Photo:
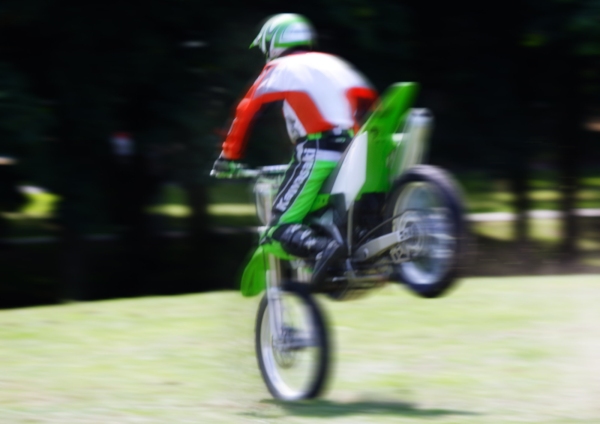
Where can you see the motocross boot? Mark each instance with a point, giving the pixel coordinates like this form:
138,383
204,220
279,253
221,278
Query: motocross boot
302,241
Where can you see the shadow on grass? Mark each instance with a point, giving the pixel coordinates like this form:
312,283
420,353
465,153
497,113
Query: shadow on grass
327,408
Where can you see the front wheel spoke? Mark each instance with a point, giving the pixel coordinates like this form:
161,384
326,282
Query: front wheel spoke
300,343
295,343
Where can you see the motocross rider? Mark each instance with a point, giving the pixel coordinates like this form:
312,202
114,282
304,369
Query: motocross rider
323,100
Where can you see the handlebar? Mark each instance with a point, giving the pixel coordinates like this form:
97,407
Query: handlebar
243,172
273,169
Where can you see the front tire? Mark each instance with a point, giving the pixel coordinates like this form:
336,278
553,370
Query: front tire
294,366
426,204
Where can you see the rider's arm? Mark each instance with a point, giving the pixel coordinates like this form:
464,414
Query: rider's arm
261,93
361,100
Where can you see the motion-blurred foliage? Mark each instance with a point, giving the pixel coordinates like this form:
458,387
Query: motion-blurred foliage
511,87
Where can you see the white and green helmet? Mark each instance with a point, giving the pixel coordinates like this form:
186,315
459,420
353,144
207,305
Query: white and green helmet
282,32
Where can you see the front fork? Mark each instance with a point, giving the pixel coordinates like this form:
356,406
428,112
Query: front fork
274,288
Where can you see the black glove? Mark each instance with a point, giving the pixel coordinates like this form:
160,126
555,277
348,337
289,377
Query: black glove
224,168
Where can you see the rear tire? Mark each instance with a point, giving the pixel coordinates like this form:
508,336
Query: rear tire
282,369
427,203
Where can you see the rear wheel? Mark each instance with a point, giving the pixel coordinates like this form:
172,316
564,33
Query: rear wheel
294,363
425,205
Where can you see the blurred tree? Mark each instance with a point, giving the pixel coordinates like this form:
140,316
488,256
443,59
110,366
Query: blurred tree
475,77
101,67
74,73
566,36
487,70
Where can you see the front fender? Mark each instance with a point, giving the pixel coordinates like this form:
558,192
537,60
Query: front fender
254,277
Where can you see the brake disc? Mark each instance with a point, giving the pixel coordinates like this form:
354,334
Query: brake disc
284,356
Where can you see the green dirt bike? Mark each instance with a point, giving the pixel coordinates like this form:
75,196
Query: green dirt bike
401,222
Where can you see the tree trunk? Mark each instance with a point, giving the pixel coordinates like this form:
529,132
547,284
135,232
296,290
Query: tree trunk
521,206
143,245
197,194
568,153
75,282
569,134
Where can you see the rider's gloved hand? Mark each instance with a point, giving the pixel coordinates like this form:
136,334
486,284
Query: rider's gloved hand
224,168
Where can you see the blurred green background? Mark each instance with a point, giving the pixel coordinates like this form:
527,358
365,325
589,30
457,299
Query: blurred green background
111,114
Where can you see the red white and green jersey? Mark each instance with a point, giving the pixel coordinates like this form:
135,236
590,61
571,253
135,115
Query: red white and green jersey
320,92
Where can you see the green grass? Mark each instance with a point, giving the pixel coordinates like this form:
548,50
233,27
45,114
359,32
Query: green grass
521,350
